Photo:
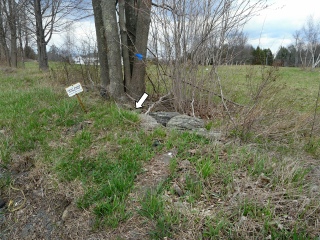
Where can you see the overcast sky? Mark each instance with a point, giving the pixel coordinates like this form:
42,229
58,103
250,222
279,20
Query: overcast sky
271,29
274,27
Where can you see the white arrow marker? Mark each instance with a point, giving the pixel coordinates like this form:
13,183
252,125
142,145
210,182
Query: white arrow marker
141,101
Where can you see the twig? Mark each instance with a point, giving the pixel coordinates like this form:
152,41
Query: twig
13,209
130,97
216,94
223,99
314,115
89,77
192,102
156,103
164,6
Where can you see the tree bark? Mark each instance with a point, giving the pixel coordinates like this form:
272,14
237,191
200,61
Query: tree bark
124,42
3,44
13,33
131,7
41,41
102,47
116,88
136,87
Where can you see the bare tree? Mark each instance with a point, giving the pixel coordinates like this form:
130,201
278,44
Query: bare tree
136,85
49,16
4,49
194,34
102,47
9,9
311,32
116,87
298,44
188,33
133,26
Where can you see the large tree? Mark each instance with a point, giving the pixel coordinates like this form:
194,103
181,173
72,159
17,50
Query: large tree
311,32
133,26
9,13
4,49
102,47
187,32
48,16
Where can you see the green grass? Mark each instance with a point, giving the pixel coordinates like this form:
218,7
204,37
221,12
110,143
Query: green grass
104,150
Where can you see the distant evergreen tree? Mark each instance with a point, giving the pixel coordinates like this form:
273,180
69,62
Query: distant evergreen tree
262,56
268,57
283,56
293,58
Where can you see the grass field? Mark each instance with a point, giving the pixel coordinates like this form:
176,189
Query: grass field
231,190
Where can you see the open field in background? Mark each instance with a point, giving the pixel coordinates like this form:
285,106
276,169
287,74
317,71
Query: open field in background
275,103
60,164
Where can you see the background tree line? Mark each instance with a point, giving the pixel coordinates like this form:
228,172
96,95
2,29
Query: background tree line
24,23
305,52
179,33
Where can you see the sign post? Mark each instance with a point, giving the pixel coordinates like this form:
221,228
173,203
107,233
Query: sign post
74,90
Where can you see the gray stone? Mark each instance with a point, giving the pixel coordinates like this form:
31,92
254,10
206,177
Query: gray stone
66,213
177,189
166,158
184,164
314,190
2,203
148,122
163,117
184,122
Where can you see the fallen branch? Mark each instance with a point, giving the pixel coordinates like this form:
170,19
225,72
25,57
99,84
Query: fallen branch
156,103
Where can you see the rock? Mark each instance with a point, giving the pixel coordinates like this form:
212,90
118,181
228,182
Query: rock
156,143
184,122
148,122
212,135
163,117
66,213
177,189
166,158
314,189
184,164
2,203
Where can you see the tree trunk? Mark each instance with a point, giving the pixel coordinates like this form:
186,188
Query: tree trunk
136,87
20,40
116,88
41,41
3,44
13,33
124,42
131,20
102,47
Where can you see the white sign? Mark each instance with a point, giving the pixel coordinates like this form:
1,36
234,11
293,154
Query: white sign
74,89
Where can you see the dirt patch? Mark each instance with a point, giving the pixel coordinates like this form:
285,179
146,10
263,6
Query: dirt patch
40,207
156,171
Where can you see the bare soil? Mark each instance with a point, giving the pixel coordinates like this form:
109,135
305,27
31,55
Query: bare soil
39,207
